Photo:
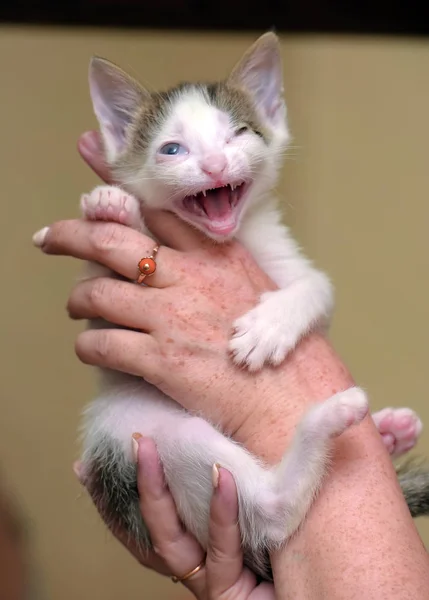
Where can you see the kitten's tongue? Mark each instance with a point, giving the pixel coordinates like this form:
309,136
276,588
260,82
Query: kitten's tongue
217,207
217,203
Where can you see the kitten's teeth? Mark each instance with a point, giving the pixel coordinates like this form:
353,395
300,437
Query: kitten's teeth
232,186
200,208
204,192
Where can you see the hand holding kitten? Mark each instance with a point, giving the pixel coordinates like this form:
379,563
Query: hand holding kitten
177,551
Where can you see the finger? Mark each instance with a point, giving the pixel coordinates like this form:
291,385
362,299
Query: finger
174,232
147,559
90,148
118,302
113,245
178,549
125,351
224,564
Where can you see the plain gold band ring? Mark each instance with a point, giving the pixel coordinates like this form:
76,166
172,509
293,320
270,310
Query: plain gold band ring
176,579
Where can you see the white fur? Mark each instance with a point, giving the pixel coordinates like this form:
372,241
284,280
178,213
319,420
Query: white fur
273,501
205,131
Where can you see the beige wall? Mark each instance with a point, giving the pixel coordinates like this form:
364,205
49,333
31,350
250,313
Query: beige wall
355,191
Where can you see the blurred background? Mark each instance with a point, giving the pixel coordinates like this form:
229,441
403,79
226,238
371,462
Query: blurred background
354,190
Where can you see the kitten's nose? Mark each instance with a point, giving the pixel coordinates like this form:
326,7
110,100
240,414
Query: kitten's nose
213,164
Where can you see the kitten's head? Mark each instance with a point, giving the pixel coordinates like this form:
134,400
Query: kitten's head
204,151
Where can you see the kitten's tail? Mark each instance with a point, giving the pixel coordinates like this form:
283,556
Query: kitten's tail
413,478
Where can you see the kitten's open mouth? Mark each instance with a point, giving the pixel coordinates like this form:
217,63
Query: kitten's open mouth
217,208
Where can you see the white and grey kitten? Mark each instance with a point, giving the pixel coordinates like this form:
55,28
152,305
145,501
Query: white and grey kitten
211,154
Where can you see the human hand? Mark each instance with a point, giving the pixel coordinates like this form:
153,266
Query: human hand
194,297
321,559
176,552
186,311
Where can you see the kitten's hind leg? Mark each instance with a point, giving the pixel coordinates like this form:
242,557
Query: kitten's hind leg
110,203
273,501
300,474
399,428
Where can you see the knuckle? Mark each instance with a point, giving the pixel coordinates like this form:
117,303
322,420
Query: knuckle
217,555
93,347
170,545
98,292
106,237
102,346
158,550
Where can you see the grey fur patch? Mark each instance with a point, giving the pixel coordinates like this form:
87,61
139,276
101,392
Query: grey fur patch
111,480
413,476
156,107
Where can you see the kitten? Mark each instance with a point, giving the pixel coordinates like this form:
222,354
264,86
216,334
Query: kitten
211,154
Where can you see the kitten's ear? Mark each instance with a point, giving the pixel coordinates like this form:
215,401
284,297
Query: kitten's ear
260,73
116,98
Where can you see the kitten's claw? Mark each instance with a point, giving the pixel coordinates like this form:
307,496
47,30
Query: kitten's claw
399,428
109,203
263,335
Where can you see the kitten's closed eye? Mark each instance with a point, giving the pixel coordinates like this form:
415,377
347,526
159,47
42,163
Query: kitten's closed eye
245,129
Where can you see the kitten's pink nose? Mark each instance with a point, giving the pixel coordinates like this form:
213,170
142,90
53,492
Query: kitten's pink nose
213,164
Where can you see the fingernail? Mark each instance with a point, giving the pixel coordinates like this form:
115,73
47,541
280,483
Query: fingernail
40,236
215,475
89,143
135,437
78,471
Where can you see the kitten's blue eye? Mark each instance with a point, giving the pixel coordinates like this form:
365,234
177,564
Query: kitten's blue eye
173,149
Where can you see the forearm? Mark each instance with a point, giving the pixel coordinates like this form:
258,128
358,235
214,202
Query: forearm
359,539
358,535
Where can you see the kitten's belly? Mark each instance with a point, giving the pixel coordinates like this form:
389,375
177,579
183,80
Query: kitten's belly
129,406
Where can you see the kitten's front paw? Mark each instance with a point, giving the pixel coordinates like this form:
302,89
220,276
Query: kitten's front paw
399,428
110,203
265,334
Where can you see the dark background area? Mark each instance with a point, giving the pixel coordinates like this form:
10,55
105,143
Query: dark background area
298,16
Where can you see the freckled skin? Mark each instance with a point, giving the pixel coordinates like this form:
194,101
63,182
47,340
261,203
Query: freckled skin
274,328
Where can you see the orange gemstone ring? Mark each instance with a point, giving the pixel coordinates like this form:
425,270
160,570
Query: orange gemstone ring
147,265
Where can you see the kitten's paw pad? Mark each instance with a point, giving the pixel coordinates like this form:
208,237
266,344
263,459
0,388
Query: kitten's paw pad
399,428
263,335
109,203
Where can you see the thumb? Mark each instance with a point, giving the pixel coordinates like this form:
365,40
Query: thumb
90,149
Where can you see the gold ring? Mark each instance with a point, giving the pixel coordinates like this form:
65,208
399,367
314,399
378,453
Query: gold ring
176,579
147,265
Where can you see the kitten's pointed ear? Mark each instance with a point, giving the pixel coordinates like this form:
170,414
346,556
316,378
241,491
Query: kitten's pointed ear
116,98
260,73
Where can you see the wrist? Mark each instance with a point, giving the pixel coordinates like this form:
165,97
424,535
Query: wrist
358,524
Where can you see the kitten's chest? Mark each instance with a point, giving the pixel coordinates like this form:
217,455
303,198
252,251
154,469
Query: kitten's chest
270,243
